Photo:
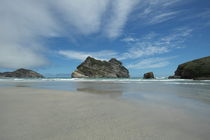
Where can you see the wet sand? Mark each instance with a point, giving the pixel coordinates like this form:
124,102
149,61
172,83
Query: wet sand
41,114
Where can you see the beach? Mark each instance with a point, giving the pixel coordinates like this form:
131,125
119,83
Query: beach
104,110
104,70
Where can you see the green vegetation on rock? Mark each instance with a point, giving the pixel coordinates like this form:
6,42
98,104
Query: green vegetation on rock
196,69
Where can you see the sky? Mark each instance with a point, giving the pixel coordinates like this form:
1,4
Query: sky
54,37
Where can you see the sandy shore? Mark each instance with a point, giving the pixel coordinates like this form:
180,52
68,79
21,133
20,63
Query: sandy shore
38,114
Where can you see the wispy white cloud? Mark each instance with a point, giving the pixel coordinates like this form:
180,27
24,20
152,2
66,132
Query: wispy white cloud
150,63
132,53
155,44
171,40
162,17
176,38
129,39
81,16
201,18
204,14
141,50
149,36
79,55
167,3
121,10
157,11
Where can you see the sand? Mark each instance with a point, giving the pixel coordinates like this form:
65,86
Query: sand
40,114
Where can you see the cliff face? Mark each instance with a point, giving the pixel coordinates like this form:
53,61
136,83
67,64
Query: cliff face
196,69
22,73
92,68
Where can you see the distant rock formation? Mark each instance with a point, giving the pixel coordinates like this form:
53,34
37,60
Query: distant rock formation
22,73
174,77
92,68
149,75
198,69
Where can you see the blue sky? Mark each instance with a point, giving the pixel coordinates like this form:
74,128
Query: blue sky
54,37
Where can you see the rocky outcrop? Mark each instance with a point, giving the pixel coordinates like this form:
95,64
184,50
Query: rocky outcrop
78,74
22,73
149,75
174,77
198,69
92,68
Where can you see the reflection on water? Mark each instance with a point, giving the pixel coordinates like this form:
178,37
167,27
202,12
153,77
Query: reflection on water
105,89
112,94
195,92
152,91
142,90
22,85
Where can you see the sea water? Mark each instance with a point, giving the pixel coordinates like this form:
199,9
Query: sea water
136,88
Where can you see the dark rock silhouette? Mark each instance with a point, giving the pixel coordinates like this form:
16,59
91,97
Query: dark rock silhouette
198,69
174,77
22,73
92,68
149,75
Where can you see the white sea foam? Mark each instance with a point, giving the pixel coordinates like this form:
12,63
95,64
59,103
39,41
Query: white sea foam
122,80
189,83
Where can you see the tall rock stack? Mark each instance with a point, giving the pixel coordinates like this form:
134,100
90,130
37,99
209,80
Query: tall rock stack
93,68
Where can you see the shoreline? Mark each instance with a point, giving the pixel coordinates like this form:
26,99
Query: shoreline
96,79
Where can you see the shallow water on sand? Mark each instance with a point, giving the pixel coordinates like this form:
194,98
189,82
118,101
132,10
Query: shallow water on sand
126,88
105,109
